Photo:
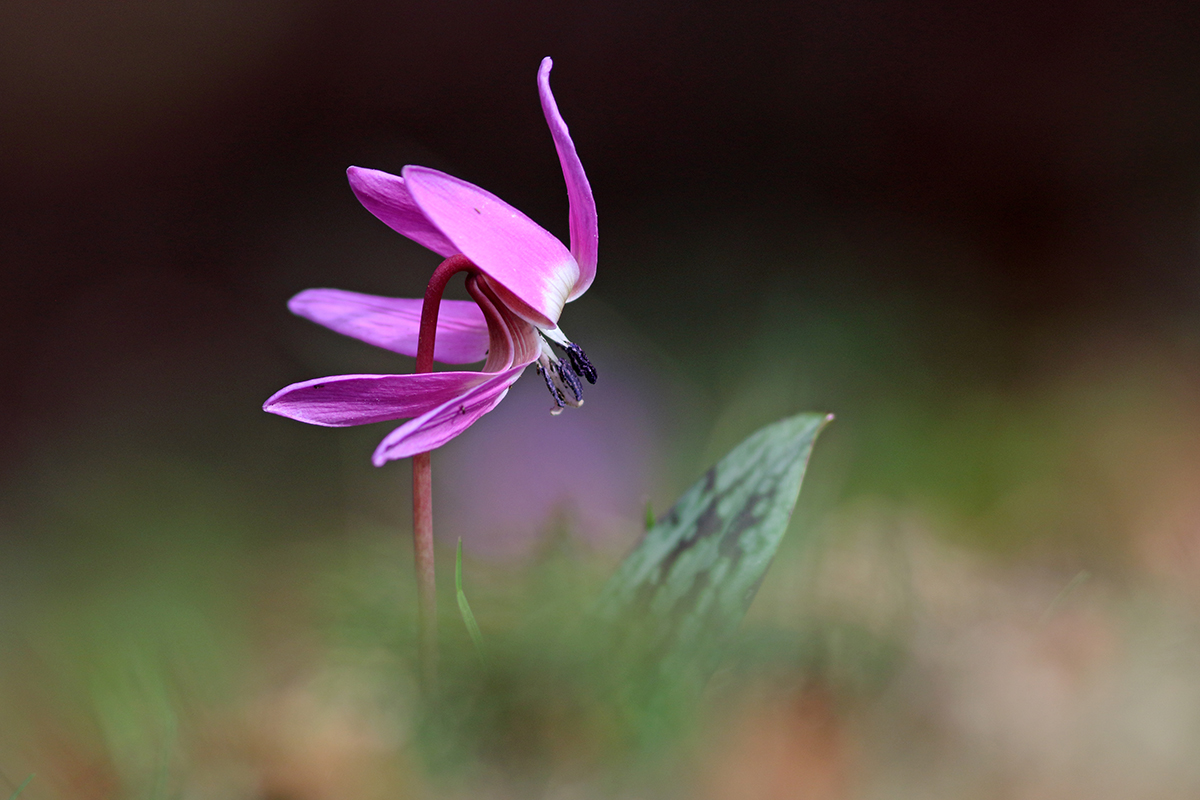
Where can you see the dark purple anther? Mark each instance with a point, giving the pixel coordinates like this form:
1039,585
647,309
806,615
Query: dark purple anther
559,400
571,380
580,363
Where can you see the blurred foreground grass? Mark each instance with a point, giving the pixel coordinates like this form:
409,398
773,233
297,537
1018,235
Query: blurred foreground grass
169,633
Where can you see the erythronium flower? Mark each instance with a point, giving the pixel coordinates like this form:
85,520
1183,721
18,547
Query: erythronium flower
521,277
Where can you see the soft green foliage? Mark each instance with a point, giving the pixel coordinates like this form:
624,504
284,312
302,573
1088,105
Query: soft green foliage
684,589
616,681
561,699
464,607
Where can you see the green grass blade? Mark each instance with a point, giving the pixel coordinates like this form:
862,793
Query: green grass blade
684,589
21,788
464,607
1080,578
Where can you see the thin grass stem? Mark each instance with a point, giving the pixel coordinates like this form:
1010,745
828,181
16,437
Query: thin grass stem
21,788
464,608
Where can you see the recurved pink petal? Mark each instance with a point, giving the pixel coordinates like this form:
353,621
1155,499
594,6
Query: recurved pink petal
343,400
532,271
394,323
584,232
439,425
386,196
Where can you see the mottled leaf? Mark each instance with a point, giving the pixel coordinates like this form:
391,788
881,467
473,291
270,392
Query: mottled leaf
683,590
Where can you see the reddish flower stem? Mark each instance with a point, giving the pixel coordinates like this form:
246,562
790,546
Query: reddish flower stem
427,643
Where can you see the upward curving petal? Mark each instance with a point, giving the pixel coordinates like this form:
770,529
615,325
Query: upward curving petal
533,272
584,232
439,425
386,196
342,400
394,323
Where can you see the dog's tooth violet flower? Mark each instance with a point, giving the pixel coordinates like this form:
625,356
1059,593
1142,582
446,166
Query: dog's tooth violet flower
521,277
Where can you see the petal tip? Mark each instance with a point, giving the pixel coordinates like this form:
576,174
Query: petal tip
356,175
299,301
271,406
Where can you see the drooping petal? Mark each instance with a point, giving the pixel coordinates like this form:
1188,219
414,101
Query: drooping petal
532,271
342,400
500,335
439,425
584,235
519,335
394,323
386,196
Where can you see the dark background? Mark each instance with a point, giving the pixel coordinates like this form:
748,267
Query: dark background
967,229
895,204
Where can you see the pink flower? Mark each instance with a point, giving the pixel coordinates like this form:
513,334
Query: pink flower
524,278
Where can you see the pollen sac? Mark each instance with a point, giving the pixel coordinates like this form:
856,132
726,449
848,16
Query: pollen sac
562,374
580,363
562,382
554,391
567,375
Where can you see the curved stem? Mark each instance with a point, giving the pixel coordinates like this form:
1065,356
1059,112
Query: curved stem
427,645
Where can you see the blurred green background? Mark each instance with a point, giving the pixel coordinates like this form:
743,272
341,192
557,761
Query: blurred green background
968,230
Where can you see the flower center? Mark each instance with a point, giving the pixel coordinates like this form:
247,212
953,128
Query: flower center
562,373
